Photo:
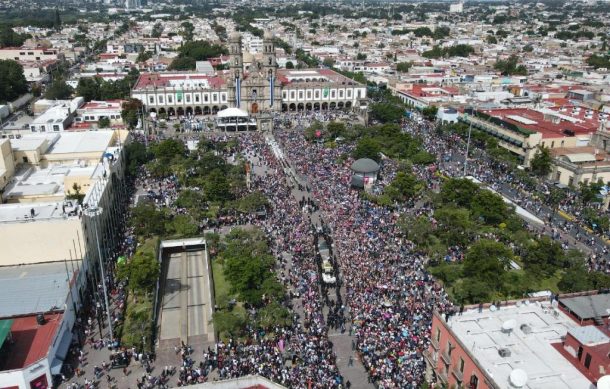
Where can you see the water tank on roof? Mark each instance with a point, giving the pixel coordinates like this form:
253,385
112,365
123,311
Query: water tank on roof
526,329
504,352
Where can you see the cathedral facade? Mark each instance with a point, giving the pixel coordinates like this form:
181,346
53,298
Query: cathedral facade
255,89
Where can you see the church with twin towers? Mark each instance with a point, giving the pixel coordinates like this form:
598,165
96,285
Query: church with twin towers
253,84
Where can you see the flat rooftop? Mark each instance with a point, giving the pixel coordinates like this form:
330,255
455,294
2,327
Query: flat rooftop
82,142
30,341
481,333
29,289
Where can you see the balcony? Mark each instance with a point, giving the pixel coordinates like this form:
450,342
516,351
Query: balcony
431,358
442,377
435,344
446,357
457,374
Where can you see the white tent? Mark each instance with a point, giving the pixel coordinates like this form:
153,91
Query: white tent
232,113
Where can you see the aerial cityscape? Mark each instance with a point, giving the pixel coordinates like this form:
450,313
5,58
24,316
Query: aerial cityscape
351,194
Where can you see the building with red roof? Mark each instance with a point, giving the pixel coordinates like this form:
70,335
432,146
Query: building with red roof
256,88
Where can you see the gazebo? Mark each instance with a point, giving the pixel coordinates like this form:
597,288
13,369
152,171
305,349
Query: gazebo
364,172
234,119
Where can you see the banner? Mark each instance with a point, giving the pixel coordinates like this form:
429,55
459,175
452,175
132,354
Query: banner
237,92
272,86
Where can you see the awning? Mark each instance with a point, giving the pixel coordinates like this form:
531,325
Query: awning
5,330
62,351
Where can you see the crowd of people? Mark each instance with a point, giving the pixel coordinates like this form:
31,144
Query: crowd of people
388,297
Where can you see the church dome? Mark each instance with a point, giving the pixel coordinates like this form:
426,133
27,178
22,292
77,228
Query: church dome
268,35
235,36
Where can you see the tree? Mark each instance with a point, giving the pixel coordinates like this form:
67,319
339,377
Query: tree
144,56
131,112
575,279
9,38
187,31
182,226
217,186
58,90
454,226
148,220
543,257
542,162
289,65
487,261
88,88
367,148
168,149
142,271
104,122
491,39
458,191
490,207
335,129
157,30
12,81
231,323
430,112
183,63
57,20
510,66
328,62
387,112
404,186
137,155
403,67
361,57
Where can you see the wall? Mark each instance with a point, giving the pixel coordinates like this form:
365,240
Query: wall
438,352
23,377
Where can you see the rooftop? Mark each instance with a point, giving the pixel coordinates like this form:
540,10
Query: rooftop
29,289
30,341
534,328
82,142
549,123
587,307
169,80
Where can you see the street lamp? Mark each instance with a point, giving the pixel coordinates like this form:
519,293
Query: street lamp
93,213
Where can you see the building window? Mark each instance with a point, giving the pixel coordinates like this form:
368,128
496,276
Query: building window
293,95
197,98
151,100
308,95
223,97
317,94
284,95
552,144
474,382
188,98
461,365
341,94
33,128
349,93
55,127
25,159
588,361
169,99
160,99
449,348
438,334
42,129
214,97
333,93
206,97
300,95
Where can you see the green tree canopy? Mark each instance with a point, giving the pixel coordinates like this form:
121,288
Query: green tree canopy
542,162
510,66
12,81
58,90
367,148
490,207
458,191
131,112
487,261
